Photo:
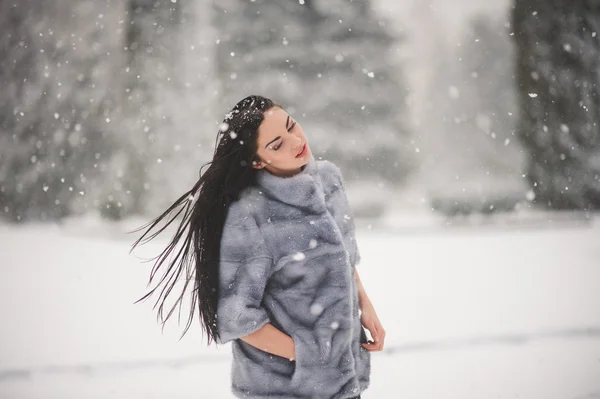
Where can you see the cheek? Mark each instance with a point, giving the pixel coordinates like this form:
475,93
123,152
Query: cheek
268,156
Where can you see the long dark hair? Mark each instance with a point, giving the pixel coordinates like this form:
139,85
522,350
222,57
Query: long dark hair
204,209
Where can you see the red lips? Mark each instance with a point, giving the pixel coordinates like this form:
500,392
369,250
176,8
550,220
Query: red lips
302,152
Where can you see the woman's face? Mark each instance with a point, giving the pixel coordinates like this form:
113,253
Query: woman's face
282,146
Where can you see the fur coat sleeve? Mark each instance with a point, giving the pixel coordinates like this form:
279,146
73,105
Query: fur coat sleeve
348,216
245,264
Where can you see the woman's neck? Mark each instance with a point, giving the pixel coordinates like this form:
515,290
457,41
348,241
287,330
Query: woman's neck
284,172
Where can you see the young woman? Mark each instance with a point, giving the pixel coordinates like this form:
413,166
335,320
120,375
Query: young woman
270,249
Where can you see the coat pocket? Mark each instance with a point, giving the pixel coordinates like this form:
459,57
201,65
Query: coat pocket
299,352
313,376
265,362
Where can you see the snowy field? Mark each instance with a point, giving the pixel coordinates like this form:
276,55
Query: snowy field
477,312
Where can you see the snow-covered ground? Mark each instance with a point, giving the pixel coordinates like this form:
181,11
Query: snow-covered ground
470,312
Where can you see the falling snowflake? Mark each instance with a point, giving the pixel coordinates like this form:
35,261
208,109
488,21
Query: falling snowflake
533,95
453,92
316,309
312,243
335,325
530,195
299,256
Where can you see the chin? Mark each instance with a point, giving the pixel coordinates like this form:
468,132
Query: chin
304,160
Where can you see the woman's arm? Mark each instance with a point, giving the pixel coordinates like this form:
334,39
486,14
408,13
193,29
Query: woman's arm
276,342
272,340
363,299
369,318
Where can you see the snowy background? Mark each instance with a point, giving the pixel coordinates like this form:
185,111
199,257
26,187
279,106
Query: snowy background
487,312
479,238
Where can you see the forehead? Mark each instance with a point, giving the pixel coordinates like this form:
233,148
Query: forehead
272,125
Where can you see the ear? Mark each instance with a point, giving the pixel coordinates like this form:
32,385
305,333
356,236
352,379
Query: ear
258,164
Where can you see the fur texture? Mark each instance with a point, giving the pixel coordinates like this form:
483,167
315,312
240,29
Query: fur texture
288,254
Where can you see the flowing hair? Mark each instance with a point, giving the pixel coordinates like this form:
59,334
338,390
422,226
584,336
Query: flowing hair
204,209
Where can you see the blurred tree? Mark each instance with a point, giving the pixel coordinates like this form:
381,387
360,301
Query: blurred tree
55,106
486,112
150,80
473,160
328,63
166,101
102,108
558,66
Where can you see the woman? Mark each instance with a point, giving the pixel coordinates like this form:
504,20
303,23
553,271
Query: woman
270,249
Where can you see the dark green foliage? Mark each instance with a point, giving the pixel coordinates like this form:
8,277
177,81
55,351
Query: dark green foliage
558,67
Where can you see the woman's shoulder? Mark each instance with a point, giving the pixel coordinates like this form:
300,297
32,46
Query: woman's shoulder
330,172
243,210
326,166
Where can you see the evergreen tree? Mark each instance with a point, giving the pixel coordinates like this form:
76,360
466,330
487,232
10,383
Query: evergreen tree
104,105
473,159
328,62
473,104
55,106
558,64
167,103
150,81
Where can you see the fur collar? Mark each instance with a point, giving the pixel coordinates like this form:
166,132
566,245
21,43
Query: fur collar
303,190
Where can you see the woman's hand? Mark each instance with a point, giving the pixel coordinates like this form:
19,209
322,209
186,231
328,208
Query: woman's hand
371,322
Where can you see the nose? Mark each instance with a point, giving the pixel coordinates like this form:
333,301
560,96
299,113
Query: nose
298,144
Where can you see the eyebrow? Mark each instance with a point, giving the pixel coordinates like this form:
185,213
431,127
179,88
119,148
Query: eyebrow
272,141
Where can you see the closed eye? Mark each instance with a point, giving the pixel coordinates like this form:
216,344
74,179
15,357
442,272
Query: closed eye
278,146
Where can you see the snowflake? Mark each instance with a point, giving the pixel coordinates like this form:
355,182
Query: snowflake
316,309
299,256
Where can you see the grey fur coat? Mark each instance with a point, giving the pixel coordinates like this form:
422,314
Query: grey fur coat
288,253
